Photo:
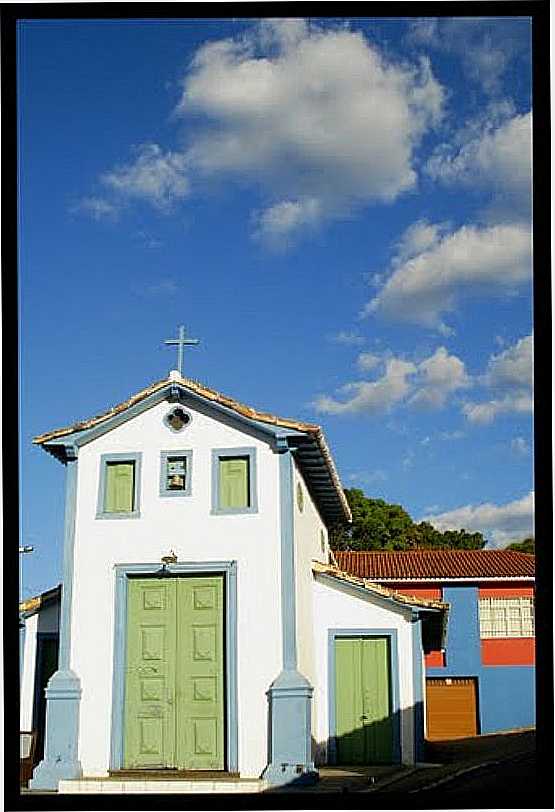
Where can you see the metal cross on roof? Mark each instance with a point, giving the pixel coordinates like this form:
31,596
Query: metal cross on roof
181,342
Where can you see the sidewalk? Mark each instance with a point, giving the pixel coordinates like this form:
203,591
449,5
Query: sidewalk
443,759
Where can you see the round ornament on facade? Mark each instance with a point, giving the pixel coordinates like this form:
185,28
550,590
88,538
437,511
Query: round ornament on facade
300,497
177,419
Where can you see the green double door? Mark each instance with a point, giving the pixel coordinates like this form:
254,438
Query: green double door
174,683
363,717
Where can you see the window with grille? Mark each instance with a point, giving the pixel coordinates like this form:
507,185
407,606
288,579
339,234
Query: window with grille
506,617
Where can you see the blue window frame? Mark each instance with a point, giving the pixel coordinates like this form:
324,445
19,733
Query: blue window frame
220,455
176,473
106,460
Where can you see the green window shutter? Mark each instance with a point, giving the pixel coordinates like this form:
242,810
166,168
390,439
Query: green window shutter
120,485
234,482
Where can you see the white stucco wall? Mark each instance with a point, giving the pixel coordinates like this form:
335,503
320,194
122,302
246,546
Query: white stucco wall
307,526
28,675
337,607
186,526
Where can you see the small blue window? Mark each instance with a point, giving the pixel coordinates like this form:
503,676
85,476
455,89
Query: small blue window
176,473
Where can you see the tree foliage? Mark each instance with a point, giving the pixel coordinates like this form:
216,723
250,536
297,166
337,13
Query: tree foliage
527,545
378,525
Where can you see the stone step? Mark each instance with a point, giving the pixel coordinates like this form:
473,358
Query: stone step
112,785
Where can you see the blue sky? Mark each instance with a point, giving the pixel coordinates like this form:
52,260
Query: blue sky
338,209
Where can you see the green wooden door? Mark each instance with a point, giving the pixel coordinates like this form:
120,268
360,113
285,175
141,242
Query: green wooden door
364,723
174,706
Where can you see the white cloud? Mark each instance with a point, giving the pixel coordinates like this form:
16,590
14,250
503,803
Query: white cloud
510,376
279,224
486,46
520,446
497,157
371,397
155,176
317,117
500,524
97,207
368,478
348,337
367,361
514,366
426,384
440,375
452,435
433,267
487,411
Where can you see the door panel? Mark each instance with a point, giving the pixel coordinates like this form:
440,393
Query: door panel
149,720
200,693
378,721
364,722
349,727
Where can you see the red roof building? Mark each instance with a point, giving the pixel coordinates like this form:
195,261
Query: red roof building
484,679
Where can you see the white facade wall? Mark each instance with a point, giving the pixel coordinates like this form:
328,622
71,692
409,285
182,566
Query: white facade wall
28,677
185,525
308,547
337,607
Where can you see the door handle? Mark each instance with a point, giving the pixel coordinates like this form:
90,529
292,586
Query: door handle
363,717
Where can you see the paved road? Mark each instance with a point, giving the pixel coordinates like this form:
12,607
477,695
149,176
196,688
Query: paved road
517,776
507,785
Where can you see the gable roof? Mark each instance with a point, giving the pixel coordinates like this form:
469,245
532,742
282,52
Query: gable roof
434,613
376,589
307,440
415,565
33,605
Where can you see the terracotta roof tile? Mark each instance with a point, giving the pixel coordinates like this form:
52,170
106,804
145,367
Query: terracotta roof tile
377,589
430,564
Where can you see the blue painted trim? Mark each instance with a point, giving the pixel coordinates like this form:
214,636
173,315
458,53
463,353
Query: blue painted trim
333,634
229,453
229,570
135,457
168,414
288,585
68,564
63,693
164,491
418,688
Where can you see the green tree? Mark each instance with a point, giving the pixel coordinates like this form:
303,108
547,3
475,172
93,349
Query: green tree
378,525
525,546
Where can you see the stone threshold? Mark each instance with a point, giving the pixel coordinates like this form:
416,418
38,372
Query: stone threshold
170,775
112,785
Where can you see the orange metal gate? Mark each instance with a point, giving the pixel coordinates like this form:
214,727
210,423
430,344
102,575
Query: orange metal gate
451,708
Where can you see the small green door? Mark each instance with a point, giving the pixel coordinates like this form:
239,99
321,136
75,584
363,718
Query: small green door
364,722
174,706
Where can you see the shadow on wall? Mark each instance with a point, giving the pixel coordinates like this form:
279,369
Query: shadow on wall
376,743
